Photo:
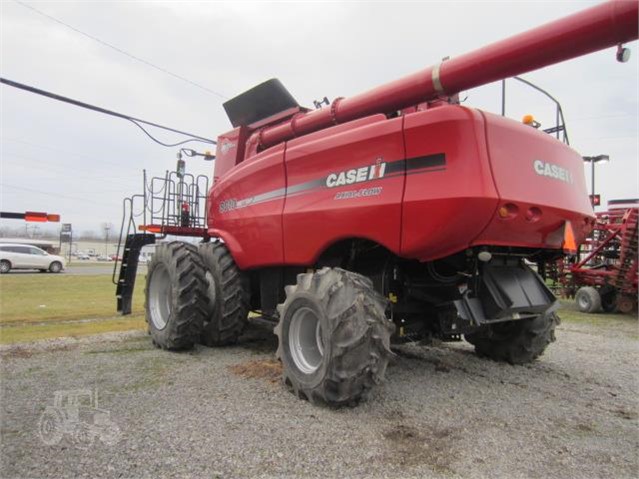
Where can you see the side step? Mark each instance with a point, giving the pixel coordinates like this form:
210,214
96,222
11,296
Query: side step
129,269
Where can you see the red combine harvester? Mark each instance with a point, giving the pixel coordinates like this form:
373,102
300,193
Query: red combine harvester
393,215
604,275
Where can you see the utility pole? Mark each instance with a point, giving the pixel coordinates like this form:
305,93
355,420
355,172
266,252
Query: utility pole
107,227
592,160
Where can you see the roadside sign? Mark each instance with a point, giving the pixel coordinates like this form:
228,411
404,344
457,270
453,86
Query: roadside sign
66,227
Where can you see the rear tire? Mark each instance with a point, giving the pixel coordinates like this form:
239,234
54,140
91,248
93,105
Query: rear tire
334,338
515,342
176,300
588,300
608,299
55,267
228,295
51,426
5,267
627,304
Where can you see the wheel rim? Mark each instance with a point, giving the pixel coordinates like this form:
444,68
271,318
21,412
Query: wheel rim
55,267
305,340
583,302
160,297
4,267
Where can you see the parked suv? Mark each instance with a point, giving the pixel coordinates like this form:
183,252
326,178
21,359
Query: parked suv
21,256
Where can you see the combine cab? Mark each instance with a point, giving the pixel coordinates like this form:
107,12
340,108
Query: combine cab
390,216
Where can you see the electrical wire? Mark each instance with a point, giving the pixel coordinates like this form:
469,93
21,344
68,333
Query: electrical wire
119,50
101,179
136,121
179,143
74,154
57,195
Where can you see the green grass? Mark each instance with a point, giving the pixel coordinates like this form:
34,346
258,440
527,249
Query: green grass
32,332
46,297
43,306
570,314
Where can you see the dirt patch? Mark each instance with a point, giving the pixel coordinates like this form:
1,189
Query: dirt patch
410,446
268,369
16,353
626,414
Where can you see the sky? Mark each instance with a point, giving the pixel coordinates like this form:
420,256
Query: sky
62,159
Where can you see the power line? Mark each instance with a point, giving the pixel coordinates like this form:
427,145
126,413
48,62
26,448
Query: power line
57,195
100,179
98,161
135,121
119,50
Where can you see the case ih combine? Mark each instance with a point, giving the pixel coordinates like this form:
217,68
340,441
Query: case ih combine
392,215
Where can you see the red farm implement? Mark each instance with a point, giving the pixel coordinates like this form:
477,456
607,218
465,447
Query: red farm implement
604,274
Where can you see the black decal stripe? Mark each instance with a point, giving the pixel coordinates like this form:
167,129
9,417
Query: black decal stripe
393,169
430,161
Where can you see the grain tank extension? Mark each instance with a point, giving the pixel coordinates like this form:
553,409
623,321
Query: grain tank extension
393,215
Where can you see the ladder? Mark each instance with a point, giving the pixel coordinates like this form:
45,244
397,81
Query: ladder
129,269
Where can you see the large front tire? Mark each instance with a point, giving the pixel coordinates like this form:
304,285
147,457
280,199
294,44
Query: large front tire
176,300
334,338
515,342
228,295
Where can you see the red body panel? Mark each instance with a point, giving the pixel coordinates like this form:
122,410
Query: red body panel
424,184
252,229
445,208
315,219
431,184
544,181
230,151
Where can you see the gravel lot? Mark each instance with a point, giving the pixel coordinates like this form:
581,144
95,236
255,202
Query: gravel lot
442,412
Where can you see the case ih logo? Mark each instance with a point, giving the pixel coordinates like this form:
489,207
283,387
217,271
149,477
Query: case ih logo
349,177
226,146
552,171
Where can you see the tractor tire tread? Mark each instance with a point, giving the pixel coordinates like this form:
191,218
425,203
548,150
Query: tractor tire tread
360,337
226,318
189,304
516,342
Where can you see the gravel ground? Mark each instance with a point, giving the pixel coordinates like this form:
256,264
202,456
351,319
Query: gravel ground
442,412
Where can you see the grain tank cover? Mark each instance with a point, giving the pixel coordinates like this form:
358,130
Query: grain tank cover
258,103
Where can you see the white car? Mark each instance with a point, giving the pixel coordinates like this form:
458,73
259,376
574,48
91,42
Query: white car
22,256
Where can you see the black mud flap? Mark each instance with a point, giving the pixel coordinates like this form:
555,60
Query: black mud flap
507,291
